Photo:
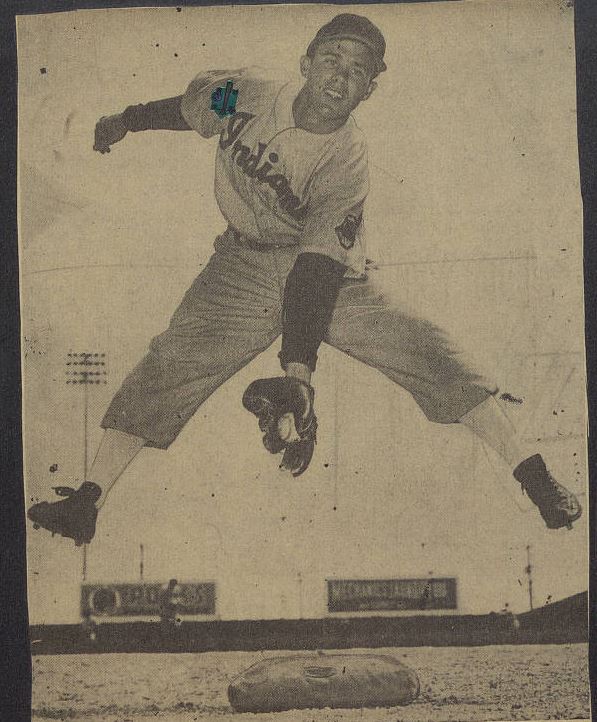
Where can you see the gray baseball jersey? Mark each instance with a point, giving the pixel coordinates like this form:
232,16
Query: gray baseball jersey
279,184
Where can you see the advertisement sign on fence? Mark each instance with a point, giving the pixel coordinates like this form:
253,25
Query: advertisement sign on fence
368,595
140,599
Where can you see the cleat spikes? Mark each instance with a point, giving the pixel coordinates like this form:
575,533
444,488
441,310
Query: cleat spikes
72,517
558,506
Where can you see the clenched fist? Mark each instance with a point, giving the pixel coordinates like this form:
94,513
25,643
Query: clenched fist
108,130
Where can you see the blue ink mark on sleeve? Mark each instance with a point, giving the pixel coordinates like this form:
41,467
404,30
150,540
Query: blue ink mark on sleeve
223,100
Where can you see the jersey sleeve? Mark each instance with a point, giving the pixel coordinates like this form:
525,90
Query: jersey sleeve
334,221
196,101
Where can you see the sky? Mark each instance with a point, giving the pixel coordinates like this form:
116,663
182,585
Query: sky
474,218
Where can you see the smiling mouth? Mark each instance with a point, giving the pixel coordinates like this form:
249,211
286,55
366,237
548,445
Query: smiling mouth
333,94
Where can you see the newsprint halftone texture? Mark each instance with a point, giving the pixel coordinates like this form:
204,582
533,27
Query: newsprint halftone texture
407,535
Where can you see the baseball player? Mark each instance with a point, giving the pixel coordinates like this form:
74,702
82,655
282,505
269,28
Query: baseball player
169,605
291,180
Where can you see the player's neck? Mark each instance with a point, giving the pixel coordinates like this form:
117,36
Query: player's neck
307,118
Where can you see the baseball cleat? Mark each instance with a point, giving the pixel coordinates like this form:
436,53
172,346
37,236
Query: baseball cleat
558,506
73,517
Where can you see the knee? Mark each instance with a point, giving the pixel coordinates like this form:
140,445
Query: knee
167,348
453,402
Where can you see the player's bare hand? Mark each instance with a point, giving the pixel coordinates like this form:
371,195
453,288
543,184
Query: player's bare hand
108,130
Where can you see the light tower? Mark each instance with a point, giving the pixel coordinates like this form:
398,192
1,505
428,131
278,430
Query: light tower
86,369
529,572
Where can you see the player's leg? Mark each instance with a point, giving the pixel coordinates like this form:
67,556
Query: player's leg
116,451
419,357
558,506
229,315
75,516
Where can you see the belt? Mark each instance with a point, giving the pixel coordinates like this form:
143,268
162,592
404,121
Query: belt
254,245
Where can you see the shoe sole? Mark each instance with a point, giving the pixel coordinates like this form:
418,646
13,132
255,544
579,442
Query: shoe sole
40,523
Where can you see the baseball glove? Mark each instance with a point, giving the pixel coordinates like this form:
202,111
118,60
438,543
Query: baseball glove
284,409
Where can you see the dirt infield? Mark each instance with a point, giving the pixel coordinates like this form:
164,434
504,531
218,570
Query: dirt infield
457,685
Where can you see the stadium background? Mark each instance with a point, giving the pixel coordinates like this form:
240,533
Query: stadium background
483,238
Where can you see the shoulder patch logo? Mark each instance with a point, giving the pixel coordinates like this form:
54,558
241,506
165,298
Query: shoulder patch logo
347,231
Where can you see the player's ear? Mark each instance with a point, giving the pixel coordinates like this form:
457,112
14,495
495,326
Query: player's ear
370,89
305,65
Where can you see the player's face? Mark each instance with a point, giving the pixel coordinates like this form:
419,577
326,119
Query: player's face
338,77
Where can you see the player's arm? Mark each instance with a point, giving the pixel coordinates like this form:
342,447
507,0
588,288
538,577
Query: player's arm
156,115
310,296
189,111
331,243
284,406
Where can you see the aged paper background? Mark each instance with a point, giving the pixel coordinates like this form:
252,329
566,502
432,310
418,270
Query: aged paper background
474,219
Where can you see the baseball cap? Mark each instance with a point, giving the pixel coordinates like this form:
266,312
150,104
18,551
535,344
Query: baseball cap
353,27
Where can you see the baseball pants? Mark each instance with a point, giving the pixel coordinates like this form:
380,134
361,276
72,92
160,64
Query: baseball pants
233,311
